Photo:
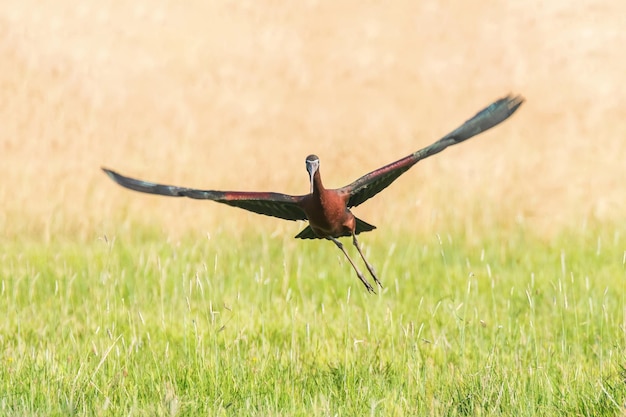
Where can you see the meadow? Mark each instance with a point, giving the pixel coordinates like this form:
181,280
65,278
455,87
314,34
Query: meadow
503,259
265,326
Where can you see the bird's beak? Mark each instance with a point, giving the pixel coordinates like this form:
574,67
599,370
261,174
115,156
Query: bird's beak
311,174
312,168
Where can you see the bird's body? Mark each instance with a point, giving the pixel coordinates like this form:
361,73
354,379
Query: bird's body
328,210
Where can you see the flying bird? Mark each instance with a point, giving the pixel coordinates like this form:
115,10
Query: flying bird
328,210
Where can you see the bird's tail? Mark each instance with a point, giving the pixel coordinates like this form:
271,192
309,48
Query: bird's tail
361,226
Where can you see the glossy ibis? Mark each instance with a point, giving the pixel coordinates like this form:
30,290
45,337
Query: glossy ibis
328,210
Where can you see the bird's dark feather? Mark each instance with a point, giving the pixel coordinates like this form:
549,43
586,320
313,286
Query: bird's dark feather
371,184
270,204
361,226
288,207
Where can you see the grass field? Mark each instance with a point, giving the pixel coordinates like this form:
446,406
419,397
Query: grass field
264,326
503,257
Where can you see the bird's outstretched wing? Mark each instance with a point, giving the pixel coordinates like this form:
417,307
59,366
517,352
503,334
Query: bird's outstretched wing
270,204
371,184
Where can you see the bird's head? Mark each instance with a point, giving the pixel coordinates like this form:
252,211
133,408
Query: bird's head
312,166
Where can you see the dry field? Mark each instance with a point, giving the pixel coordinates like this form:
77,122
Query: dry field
234,95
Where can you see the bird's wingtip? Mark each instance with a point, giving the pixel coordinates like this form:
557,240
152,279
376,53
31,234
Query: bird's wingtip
513,101
110,173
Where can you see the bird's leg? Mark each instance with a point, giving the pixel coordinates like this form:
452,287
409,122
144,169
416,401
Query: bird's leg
369,266
358,273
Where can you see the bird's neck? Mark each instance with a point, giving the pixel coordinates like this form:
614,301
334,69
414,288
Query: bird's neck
318,187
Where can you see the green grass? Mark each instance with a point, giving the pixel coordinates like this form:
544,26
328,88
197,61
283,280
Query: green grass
508,324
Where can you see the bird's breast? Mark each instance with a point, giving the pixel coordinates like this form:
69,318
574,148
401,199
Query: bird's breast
328,214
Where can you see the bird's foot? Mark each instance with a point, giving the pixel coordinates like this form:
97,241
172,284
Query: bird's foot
368,286
377,281
373,273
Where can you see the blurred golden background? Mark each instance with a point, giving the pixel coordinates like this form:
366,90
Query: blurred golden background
235,94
